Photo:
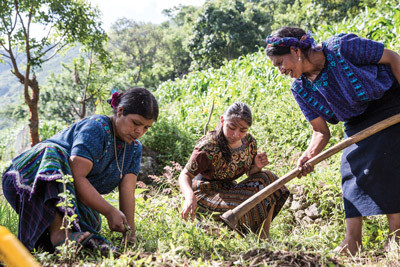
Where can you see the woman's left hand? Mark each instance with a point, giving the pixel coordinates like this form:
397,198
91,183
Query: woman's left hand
261,160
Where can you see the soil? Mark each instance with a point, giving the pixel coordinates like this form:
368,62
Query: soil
263,257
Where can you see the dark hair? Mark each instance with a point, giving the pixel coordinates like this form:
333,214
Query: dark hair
137,100
286,32
237,110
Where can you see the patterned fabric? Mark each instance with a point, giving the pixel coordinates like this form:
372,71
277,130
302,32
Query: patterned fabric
221,196
305,42
92,138
30,183
349,80
37,210
216,189
207,159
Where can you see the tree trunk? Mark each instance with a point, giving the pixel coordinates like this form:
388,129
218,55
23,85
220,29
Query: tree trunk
32,103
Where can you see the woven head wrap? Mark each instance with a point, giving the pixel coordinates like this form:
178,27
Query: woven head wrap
305,42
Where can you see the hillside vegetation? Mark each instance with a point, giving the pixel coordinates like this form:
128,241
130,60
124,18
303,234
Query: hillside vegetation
311,223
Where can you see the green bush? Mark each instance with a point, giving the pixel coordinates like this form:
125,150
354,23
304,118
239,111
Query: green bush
171,143
49,128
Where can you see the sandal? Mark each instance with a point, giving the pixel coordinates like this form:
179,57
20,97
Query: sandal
74,237
92,241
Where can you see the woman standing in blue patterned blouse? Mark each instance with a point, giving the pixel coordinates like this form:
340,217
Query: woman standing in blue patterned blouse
354,80
100,153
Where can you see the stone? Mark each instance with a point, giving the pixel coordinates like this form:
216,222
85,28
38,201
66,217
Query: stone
148,166
295,205
312,211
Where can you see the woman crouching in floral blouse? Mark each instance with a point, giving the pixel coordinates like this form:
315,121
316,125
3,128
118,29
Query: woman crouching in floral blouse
221,157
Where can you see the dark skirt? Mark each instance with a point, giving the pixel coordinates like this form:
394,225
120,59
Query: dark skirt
371,168
220,196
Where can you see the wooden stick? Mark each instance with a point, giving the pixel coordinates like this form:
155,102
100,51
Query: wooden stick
231,217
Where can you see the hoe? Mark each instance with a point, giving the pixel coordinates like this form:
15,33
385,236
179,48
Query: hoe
231,217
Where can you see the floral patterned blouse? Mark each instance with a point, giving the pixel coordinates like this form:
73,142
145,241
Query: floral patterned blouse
208,161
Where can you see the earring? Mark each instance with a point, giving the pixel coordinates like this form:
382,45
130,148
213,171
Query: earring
299,58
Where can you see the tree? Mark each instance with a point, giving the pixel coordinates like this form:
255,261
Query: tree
173,57
309,14
63,23
226,30
72,94
136,44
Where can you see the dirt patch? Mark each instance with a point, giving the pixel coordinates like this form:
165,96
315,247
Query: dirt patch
262,257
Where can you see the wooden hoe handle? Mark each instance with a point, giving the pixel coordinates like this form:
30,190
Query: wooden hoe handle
231,217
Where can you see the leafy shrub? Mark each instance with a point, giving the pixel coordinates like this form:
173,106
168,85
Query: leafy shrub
49,128
277,120
170,142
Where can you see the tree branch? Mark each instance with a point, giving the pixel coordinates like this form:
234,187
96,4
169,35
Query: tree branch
53,55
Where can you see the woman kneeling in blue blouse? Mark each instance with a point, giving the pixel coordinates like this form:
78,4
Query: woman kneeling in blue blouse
354,80
100,153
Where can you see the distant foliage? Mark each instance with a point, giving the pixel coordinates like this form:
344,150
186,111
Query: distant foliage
74,93
311,14
277,120
225,30
380,23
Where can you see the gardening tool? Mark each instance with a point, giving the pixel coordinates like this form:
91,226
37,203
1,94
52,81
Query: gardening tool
231,217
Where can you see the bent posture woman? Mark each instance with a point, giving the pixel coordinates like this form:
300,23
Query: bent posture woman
354,80
221,157
100,153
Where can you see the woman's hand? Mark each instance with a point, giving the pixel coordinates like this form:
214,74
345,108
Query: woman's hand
319,139
117,221
189,207
130,237
303,166
261,160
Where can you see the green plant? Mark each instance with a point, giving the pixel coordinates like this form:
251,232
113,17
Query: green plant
169,141
49,128
68,251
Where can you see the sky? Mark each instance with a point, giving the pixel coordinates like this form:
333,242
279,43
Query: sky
138,10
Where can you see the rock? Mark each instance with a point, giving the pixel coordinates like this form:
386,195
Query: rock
307,220
295,205
298,215
148,166
299,203
312,211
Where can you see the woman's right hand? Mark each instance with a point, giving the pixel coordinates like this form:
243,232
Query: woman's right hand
303,166
189,207
117,221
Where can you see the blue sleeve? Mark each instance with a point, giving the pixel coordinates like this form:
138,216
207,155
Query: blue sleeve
307,111
90,140
137,158
360,51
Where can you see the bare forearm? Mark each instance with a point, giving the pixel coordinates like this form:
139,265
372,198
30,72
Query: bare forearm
396,70
89,196
254,169
127,206
392,59
317,144
185,183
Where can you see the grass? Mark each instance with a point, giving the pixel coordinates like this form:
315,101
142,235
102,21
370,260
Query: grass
165,239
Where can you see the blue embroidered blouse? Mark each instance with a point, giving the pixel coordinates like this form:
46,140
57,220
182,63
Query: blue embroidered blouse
349,80
93,139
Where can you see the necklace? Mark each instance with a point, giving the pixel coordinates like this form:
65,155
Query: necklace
115,151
